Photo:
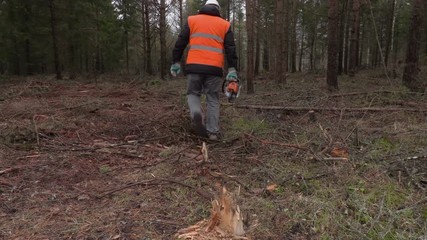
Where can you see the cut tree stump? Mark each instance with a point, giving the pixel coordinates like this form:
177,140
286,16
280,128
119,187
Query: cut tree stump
225,222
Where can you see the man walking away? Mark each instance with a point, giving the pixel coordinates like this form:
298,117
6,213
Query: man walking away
209,37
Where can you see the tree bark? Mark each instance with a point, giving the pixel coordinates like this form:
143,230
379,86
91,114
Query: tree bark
313,33
28,64
181,14
97,43
411,76
126,33
341,37
425,34
301,53
278,22
293,36
354,37
72,65
332,71
360,45
240,40
148,65
257,23
250,10
162,25
54,32
347,36
266,43
390,31
280,50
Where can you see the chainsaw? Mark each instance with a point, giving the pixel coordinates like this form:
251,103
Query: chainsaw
231,89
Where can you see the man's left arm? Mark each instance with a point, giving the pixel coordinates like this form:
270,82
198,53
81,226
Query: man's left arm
230,49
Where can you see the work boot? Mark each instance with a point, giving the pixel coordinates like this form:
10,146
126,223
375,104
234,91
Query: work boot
198,126
214,136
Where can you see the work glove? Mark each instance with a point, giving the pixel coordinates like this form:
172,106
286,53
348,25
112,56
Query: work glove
232,75
175,69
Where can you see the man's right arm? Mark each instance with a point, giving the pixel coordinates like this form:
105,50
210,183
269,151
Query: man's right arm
181,44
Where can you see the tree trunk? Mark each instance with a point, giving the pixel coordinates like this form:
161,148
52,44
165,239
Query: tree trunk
341,37
228,9
293,36
390,31
411,76
285,53
313,50
148,66
181,14
332,71
360,46
347,36
280,50
28,64
72,65
425,34
98,44
126,33
354,37
240,42
301,53
162,25
265,55
143,43
54,31
250,10
257,23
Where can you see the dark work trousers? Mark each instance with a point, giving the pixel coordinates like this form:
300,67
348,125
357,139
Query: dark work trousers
209,85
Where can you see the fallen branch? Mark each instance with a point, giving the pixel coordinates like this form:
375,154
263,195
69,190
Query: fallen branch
147,182
8,170
5,183
301,177
420,202
267,142
332,109
359,93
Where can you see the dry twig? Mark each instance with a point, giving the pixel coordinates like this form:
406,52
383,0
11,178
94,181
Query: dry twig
266,142
156,181
332,109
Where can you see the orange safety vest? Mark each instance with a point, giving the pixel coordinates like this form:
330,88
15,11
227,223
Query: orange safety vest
207,35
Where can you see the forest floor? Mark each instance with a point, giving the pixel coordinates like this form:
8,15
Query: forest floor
116,159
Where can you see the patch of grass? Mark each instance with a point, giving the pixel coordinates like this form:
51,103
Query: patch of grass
381,147
104,169
4,78
424,213
387,193
168,151
254,126
154,82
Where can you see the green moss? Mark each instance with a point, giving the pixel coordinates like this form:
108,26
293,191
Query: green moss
104,169
168,152
381,147
424,213
253,126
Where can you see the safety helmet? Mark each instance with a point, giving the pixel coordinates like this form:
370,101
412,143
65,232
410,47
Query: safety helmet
212,2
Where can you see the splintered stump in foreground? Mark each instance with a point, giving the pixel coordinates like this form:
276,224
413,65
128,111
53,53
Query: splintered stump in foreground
225,222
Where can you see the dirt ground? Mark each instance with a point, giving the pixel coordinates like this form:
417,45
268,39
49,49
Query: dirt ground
116,158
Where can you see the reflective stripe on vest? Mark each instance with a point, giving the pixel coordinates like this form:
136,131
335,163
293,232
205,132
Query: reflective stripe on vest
207,35
201,47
